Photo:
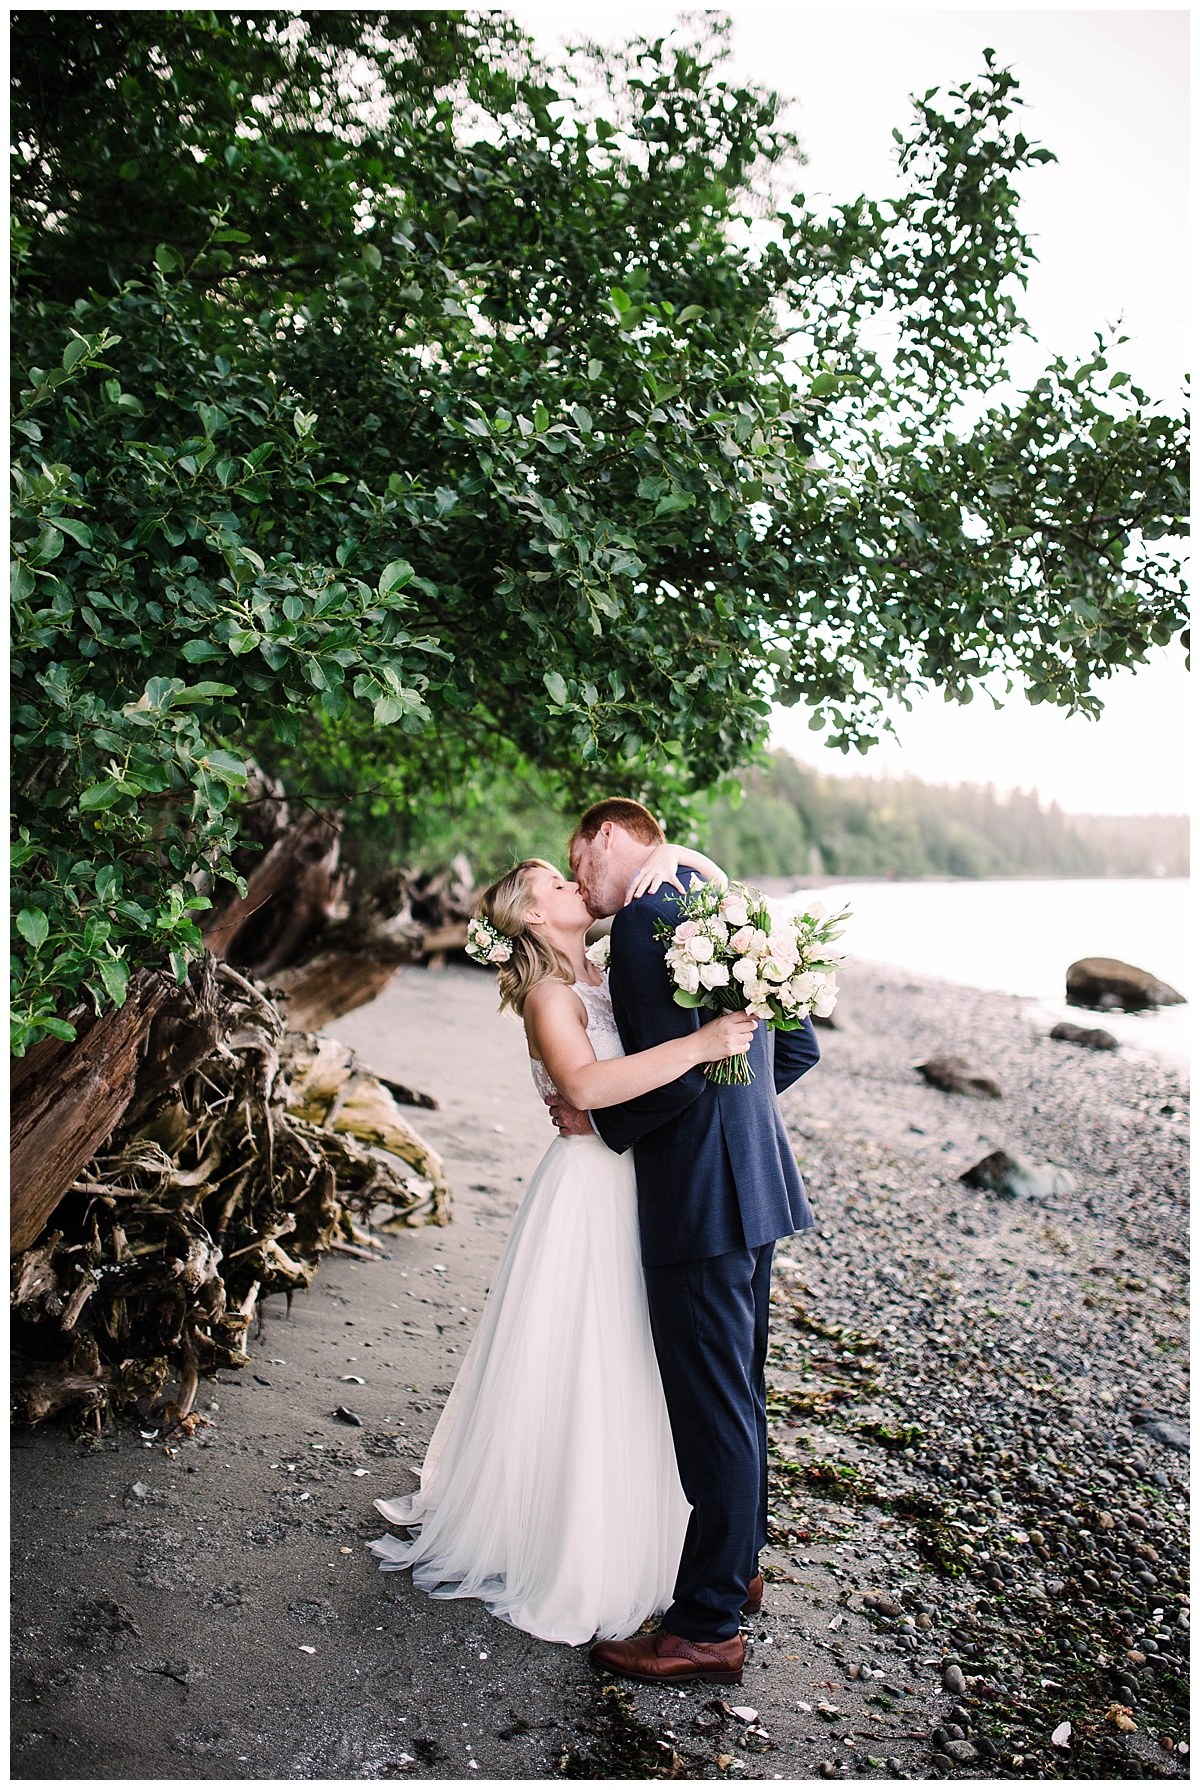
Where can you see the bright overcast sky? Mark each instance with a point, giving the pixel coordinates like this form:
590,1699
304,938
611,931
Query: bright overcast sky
1108,92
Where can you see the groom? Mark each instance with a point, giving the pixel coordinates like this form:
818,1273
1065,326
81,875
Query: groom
717,1185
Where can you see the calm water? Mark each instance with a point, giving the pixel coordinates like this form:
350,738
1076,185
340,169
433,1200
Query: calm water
1020,937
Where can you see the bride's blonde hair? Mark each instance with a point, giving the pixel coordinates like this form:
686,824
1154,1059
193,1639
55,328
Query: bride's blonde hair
533,958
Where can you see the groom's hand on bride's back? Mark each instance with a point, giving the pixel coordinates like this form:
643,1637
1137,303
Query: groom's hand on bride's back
570,1121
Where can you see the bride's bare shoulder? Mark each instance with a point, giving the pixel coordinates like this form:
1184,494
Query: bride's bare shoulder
550,996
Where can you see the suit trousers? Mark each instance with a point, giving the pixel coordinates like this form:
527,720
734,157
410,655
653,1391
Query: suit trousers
710,1320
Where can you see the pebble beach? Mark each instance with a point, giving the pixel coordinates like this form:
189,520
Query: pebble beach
978,1413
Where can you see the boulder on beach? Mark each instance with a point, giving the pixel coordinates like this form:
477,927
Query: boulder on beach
1108,985
955,1075
1014,1178
1161,1429
1091,1038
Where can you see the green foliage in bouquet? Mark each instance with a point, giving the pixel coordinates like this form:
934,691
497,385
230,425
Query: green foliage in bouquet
395,406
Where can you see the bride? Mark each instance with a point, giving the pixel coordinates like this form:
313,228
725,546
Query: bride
550,1489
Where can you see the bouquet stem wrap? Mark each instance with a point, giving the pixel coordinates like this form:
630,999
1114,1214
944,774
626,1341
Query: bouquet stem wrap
736,948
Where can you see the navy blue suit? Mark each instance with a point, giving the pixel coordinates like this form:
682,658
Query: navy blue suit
717,1186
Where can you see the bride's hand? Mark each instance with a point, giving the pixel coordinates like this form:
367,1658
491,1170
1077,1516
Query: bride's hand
662,866
728,1036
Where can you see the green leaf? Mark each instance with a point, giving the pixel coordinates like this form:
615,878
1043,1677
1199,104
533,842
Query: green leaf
33,927
389,708
394,576
114,973
201,693
224,765
57,1028
100,795
556,686
48,546
198,652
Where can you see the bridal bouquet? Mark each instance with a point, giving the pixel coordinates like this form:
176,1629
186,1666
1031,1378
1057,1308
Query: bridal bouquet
736,948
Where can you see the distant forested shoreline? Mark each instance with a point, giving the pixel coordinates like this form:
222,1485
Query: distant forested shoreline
793,820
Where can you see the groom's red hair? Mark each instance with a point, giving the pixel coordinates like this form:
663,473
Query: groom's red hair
636,820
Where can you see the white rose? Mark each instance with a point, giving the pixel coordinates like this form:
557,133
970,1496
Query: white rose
687,977
700,949
713,975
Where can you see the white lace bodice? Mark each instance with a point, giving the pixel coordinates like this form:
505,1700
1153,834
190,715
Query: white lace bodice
601,1030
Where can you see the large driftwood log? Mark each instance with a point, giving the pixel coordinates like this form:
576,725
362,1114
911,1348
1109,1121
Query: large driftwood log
290,897
324,955
67,1098
313,993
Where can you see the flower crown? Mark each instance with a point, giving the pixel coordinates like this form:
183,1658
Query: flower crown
485,943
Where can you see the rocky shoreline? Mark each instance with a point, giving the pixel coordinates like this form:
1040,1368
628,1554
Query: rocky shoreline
1006,1377
979,1494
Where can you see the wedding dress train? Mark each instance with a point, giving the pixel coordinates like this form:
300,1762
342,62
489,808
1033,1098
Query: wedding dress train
550,1489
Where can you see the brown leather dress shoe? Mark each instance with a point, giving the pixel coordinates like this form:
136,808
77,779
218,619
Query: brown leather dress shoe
754,1596
664,1658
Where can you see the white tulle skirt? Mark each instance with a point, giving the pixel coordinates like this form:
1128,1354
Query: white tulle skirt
549,1488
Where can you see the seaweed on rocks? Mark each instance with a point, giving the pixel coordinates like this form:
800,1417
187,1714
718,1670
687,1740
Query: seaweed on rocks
614,1742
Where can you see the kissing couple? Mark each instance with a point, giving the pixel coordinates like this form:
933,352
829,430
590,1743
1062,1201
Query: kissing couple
602,1457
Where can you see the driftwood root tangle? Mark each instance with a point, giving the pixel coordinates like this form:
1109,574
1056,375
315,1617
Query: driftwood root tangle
208,1197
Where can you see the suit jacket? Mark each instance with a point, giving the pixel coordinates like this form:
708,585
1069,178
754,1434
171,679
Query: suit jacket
715,1171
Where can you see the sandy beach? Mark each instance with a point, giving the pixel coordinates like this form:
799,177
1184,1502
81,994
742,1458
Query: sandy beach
976,1408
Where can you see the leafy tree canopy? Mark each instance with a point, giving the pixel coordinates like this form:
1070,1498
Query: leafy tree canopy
390,403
